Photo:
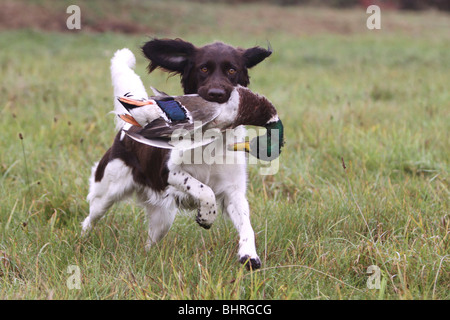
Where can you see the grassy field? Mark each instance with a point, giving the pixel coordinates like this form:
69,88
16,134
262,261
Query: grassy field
377,100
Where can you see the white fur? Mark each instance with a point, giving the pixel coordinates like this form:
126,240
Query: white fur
229,110
125,80
207,184
116,184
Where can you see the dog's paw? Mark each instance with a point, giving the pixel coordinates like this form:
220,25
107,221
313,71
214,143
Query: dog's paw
202,222
250,263
86,227
206,216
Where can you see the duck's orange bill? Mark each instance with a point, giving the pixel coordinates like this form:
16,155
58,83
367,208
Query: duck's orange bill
134,102
129,119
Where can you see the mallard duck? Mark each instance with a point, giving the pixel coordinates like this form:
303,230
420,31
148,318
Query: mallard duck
162,116
173,109
165,117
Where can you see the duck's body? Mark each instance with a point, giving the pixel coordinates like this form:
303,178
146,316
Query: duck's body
164,119
173,109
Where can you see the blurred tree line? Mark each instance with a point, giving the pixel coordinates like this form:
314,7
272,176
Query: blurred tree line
387,4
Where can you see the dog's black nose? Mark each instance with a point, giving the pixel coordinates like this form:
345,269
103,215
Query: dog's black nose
217,95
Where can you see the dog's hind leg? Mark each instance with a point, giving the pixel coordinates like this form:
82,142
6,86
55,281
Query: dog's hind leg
160,220
115,184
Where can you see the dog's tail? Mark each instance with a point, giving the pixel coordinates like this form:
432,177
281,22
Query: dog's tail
125,81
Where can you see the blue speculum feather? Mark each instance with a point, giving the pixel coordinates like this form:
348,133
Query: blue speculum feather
172,109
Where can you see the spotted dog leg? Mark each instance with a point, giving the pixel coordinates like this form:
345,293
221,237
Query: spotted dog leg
207,211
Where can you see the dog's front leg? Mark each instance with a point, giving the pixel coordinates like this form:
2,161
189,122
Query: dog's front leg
207,211
238,210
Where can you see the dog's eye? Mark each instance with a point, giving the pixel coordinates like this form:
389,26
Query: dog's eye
231,71
204,69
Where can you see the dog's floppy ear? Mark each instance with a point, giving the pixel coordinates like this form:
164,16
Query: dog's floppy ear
170,55
255,55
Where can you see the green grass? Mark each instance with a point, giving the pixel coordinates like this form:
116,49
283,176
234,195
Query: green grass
377,100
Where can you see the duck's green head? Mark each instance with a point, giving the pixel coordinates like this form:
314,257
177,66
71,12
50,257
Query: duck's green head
266,147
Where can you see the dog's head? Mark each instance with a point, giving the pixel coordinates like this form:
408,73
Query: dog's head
211,71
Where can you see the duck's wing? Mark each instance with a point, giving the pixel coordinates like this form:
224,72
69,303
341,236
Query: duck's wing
160,128
184,116
173,110
199,109
161,137
159,143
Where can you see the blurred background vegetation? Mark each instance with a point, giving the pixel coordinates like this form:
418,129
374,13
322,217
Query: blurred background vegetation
394,4
158,16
